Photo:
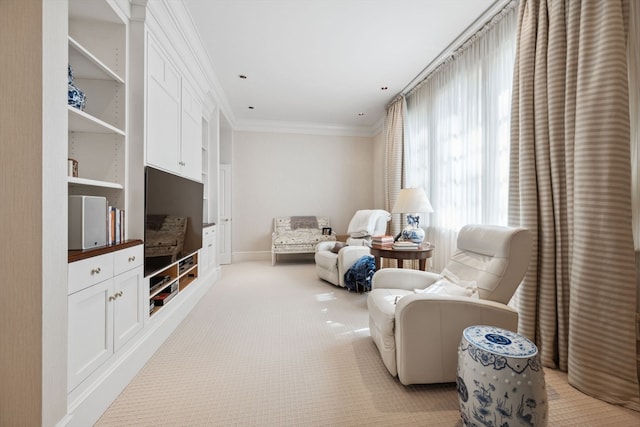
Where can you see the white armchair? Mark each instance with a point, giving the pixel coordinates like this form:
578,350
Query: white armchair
331,265
418,333
332,262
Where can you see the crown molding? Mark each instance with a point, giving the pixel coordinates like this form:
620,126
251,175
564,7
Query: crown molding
304,128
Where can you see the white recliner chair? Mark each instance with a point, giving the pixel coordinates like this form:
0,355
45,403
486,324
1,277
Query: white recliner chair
333,259
416,318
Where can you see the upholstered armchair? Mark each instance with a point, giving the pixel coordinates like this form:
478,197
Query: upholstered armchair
333,259
416,318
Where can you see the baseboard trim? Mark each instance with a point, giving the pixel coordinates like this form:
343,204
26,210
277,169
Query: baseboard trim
251,256
266,256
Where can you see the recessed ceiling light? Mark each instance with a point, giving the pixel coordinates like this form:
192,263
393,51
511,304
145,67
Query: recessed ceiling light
384,88
242,76
361,114
250,107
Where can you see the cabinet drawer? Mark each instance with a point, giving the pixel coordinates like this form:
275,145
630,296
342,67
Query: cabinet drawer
129,258
208,232
90,271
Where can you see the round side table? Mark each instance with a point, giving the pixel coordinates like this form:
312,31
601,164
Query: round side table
500,380
421,254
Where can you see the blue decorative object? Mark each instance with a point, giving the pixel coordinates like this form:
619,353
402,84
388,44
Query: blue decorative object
358,277
413,231
75,97
500,380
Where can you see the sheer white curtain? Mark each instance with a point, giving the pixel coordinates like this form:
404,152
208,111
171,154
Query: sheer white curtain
457,145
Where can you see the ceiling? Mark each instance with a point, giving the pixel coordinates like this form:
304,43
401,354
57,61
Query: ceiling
323,64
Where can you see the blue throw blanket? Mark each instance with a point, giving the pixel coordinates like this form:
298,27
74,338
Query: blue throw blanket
358,277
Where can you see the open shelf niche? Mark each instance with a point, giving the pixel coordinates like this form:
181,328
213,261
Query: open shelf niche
170,281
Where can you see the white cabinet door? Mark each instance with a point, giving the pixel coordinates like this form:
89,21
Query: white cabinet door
207,258
163,110
224,227
128,306
191,140
104,314
90,340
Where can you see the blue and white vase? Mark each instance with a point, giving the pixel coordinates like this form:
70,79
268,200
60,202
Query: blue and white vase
75,97
500,380
413,232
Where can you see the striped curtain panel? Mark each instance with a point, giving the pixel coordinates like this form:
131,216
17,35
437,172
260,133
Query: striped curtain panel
633,52
394,149
570,184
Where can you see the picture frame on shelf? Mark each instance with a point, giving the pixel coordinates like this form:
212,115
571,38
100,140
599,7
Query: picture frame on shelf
326,231
72,168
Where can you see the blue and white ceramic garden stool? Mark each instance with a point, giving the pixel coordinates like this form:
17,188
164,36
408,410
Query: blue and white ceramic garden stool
500,380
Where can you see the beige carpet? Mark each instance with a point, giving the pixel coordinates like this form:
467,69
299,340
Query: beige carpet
276,346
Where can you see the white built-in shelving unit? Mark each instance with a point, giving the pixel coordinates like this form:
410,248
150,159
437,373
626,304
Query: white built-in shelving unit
98,135
145,106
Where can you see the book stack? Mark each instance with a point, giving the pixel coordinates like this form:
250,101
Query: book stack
383,240
115,225
405,245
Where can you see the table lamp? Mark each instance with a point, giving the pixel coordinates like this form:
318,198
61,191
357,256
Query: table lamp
412,201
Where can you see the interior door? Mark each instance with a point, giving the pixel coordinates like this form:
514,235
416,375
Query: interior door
224,235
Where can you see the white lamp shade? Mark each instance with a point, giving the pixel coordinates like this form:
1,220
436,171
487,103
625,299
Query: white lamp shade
412,200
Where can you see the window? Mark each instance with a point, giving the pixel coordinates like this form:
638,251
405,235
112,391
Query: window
458,135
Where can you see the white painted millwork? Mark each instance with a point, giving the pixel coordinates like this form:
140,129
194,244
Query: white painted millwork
173,117
224,198
97,138
90,271
191,140
90,340
207,259
79,332
105,309
162,109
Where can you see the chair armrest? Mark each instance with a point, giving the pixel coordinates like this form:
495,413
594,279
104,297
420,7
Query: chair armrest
401,278
419,301
429,329
349,255
326,245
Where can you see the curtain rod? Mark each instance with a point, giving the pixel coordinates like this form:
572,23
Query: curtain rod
492,11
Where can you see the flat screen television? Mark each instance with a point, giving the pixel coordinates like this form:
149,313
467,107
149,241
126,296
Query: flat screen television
168,196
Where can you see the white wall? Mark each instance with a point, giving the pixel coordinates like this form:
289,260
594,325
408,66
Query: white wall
281,174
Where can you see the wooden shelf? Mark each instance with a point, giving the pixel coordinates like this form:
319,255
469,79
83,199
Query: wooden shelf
80,254
184,271
188,277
